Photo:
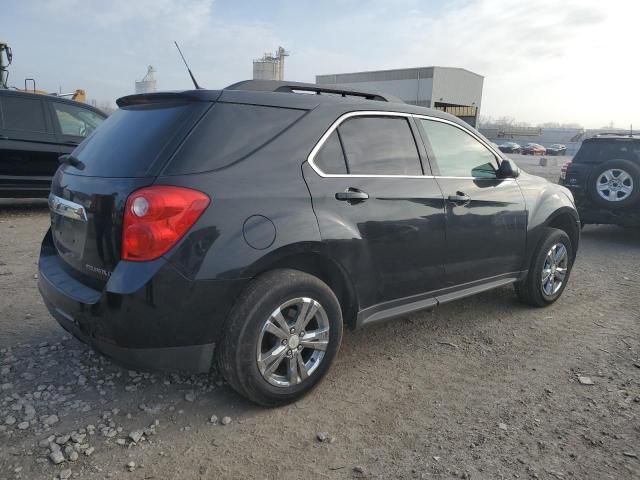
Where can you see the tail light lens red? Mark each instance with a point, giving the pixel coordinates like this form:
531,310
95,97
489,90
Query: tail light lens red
564,169
156,218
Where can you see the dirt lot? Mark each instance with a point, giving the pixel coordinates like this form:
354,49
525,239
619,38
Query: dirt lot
484,389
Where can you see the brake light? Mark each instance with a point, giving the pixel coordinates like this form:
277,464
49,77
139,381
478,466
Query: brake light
564,169
156,218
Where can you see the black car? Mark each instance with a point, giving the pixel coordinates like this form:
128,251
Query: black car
510,147
557,149
34,131
244,227
604,177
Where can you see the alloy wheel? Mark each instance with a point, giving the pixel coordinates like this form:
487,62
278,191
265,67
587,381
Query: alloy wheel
293,342
555,268
614,185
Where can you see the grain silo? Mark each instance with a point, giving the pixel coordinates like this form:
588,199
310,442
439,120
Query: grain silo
270,67
148,83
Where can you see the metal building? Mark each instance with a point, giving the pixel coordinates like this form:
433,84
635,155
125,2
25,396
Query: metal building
148,83
270,67
454,90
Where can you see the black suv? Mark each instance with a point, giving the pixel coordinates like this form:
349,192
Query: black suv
604,177
260,219
34,131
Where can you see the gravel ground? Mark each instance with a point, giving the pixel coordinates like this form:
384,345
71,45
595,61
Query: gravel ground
484,388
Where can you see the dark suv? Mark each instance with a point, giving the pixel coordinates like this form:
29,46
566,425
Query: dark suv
249,225
34,131
604,177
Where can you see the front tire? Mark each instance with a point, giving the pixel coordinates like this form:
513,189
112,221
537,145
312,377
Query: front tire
549,270
281,338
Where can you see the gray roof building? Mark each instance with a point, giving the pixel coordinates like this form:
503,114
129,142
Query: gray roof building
454,90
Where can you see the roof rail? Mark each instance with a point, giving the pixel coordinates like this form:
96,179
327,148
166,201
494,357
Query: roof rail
295,87
617,134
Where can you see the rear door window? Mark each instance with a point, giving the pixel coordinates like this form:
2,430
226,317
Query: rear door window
380,146
228,133
330,158
23,114
74,120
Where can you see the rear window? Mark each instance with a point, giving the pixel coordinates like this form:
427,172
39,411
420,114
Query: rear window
228,133
136,141
601,151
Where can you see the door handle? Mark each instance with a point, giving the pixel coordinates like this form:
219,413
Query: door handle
352,195
459,198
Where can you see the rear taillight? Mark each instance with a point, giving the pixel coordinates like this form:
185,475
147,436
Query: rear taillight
156,218
564,169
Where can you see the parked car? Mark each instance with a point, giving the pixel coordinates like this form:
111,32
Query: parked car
533,149
604,177
246,227
510,147
556,149
34,131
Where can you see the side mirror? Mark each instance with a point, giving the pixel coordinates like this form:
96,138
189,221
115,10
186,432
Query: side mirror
508,169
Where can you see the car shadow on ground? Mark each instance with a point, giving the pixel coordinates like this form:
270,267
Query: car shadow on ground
622,236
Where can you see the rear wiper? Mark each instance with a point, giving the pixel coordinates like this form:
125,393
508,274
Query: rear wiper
69,159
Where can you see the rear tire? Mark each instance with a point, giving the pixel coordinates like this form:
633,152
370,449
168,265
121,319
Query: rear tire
542,286
256,338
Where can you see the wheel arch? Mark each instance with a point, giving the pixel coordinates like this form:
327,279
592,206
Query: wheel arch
313,259
565,219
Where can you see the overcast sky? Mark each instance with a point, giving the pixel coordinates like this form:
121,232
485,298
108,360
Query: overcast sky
543,60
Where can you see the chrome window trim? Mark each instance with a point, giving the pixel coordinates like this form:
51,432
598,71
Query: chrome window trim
67,208
381,113
335,125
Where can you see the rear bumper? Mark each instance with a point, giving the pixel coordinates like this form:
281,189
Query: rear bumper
148,316
594,214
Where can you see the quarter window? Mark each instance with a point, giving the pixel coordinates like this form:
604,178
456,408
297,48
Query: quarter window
330,158
76,121
457,153
380,146
24,114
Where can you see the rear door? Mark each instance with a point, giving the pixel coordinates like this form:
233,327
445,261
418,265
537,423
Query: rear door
28,145
381,217
486,218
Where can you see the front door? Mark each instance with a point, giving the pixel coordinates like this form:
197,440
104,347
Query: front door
380,216
486,216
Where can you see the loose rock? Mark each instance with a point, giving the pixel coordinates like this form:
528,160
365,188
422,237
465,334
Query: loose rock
226,420
65,474
585,380
136,436
56,457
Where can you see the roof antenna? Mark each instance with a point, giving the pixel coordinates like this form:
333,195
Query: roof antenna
193,79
